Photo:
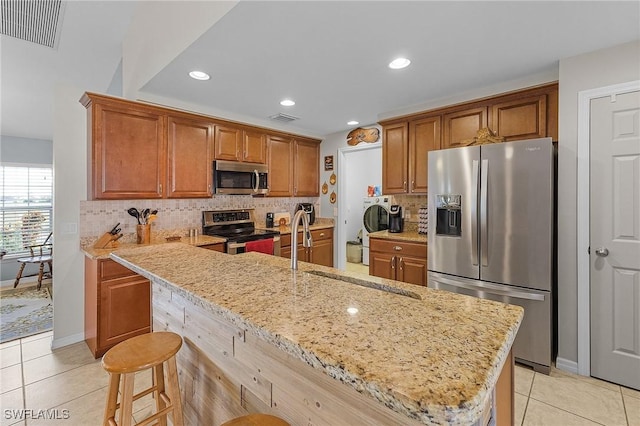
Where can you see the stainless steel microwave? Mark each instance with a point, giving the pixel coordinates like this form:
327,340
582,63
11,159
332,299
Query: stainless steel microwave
231,177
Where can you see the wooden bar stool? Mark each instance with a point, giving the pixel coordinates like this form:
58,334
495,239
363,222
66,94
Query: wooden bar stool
256,420
147,351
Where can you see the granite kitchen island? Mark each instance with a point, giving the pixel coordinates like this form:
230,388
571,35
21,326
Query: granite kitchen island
319,346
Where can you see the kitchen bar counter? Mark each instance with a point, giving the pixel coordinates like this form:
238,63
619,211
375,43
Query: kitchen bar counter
427,356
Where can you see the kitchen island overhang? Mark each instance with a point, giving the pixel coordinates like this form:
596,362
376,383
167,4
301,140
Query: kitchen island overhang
415,354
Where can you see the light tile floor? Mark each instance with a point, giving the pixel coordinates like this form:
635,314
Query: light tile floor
63,387
73,384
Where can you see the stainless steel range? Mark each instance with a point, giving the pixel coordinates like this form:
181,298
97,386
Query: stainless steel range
238,227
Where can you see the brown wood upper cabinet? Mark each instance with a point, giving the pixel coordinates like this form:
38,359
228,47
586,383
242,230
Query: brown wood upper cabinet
404,155
523,114
280,161
234,144
139,151
395,159
524,118
463,125
293,167
424,136
127,149
190,144
306,175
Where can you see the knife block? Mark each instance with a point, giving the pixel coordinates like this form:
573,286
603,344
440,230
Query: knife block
105,241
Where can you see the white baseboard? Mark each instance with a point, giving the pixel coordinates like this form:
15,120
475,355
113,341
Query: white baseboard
567,365
66,341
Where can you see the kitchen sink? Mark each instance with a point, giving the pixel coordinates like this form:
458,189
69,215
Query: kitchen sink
365,283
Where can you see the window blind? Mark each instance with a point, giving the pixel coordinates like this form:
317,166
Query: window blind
26,196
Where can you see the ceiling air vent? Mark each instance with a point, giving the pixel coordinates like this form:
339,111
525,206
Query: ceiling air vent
283,118
39,22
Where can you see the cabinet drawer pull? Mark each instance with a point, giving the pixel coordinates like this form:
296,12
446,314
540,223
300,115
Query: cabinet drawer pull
322,234
397,248
404,185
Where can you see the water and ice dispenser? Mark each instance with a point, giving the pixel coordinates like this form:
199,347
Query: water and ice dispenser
449,215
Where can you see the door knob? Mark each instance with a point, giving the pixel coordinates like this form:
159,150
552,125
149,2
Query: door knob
602,252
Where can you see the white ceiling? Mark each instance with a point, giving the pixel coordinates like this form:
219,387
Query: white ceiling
330,57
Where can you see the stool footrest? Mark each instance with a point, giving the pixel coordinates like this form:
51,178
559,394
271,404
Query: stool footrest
156,416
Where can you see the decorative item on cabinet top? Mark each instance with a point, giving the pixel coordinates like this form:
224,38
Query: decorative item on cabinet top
363,135
484,136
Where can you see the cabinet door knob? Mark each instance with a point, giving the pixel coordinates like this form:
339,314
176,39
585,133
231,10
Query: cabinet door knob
401,263
404,185
397,248
393,262
413,185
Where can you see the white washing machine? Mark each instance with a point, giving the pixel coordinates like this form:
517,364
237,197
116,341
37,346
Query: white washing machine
375,217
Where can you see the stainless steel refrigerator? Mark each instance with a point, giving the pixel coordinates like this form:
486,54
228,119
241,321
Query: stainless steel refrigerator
491,232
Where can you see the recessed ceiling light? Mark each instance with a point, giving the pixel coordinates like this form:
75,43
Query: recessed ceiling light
287,102
199,75
352,122
399,63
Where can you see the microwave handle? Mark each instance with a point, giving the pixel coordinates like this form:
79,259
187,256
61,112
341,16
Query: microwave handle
256,185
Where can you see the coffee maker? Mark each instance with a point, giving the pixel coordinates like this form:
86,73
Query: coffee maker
309,210
396,222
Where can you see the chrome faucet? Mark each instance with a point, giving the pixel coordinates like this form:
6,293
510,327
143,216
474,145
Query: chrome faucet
306,236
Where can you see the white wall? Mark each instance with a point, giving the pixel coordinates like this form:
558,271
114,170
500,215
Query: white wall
14,149
70,187
589,71
358,175
160,31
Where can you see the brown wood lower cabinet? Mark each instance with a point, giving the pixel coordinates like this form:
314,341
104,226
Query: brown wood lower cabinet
117,304
215,247
398,260
321,253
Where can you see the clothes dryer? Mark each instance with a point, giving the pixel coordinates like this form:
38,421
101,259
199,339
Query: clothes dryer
375,218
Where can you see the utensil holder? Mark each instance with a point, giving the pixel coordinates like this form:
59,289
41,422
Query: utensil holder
143,234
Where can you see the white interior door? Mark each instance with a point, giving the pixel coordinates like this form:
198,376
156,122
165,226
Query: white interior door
615,238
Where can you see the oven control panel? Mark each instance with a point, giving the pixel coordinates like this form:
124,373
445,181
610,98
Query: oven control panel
225,217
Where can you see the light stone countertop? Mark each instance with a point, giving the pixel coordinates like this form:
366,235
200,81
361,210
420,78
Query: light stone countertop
434,357
319,223
200,240
409,234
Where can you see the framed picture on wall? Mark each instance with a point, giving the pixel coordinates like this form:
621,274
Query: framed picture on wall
328,162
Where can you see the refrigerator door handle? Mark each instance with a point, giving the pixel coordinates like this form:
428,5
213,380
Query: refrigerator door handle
484,235
474,213
484,287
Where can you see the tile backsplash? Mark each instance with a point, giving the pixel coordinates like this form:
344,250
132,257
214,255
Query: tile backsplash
410,205
98,217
